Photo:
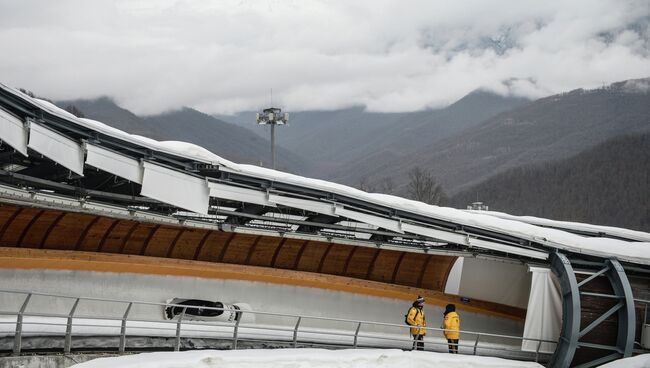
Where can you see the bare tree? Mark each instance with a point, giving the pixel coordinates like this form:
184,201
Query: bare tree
387,185
423,187
27,92
75,111
365,185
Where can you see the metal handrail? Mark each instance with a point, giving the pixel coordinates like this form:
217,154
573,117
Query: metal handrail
354,335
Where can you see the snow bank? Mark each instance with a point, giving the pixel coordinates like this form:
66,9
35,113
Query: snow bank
640,361
302,358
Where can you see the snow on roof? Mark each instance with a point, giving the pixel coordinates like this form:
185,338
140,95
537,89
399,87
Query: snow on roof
523,227
578,226
634,251
182,149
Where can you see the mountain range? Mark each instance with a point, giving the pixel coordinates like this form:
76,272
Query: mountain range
480,143
550,128
227,140
465,143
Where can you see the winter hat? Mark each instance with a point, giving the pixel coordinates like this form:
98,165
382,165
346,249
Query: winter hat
450,308
420,299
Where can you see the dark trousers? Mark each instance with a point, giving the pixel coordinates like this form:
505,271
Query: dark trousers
453,349
418,342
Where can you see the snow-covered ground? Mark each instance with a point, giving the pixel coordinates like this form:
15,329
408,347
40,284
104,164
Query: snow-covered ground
640,361
302,358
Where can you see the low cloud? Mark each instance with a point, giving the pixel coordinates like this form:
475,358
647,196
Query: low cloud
227,56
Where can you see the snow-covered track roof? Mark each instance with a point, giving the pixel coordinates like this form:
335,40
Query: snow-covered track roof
190,182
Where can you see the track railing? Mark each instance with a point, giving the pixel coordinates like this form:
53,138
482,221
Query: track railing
479,343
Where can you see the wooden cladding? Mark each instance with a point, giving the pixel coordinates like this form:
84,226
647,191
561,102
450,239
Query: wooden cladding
60,230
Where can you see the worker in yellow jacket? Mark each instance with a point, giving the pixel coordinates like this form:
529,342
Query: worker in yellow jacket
415,318
451,326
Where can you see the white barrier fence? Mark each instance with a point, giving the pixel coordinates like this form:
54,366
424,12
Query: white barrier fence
23,322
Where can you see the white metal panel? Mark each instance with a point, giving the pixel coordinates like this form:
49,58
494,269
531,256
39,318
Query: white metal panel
13,131
218,190
319,207
114,163
173,187
60,149
370,219
466,240
544,312
452,286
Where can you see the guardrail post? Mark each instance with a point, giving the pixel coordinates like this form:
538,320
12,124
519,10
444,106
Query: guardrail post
295,332
236,331
476,343
123,329
539,343
68,329
177,345
19,326
356,335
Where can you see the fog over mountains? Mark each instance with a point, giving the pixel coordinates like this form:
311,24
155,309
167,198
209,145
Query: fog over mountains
463,145
550,128
227,140
478,136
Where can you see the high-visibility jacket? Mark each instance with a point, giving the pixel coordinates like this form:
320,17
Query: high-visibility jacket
451,324
415,317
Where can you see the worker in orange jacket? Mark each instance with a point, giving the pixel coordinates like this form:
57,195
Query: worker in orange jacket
415,318
451,326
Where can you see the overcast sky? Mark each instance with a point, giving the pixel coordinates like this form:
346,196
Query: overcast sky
226,56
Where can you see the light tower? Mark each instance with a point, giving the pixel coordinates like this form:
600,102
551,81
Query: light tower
272,116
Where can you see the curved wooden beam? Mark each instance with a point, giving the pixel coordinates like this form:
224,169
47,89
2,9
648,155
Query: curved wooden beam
85,231
106,233
396,269
251,250
371,267
299,255
347,261
446,277
146,242
322,260
173,245
199,247
225,247
9,221
50,228
19,243
277,251
424,270
128,236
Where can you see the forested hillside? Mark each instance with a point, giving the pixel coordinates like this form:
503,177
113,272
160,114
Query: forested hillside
550,128
607,185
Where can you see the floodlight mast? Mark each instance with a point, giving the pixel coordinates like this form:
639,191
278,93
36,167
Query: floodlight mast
272,116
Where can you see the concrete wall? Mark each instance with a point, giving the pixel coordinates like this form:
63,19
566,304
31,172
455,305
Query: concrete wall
494,281
260,296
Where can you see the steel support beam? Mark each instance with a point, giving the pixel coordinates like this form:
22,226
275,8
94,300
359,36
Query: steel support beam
626,314
568,342
571,312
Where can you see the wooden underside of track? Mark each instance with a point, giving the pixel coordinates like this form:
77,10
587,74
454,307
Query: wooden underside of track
51,229
15,258
86,234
